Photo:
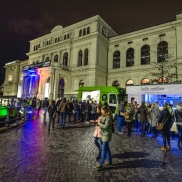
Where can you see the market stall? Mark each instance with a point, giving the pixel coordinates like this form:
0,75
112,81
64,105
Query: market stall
161,93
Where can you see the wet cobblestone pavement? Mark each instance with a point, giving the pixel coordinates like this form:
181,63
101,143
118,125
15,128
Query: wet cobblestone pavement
31,153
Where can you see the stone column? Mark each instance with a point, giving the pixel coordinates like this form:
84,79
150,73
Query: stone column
51,84
56,84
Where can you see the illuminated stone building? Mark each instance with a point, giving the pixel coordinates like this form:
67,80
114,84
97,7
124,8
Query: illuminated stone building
90,53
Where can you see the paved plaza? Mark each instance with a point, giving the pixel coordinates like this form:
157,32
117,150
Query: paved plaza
30,153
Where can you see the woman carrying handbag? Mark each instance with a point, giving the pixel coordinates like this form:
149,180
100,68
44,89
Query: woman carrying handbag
164,121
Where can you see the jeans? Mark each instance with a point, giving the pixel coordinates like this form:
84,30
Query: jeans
62,119
120,120
105,153
98,145
45,110
76,114
51,120
142,128
179,133
136,124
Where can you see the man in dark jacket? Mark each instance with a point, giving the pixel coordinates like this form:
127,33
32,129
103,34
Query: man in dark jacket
45,105
143,117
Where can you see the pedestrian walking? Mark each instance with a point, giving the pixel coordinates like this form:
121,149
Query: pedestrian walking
106,136
45,106
52,113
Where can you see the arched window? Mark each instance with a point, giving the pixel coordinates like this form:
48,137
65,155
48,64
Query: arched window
81,83
47,59
65,59
88,30
130,57
68,36
145,81
34,48
165,80
64,37
84,31
58,39
61,88
80,33
56,58
116,60
130,82
55,40
80,55
86,57
145,55
162,52
47,42
115,83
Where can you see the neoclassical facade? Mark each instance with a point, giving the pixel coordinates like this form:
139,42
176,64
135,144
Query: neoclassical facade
91,53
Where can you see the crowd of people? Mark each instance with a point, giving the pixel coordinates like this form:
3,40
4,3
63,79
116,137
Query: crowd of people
144,118
148,116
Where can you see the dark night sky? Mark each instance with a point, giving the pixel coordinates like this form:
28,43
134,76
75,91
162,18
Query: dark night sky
24,20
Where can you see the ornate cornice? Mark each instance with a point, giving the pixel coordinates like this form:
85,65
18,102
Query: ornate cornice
143,35
85,37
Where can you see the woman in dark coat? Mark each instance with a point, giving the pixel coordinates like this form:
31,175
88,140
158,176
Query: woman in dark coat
165,118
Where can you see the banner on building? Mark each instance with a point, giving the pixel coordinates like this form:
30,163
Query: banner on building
155,89
37,65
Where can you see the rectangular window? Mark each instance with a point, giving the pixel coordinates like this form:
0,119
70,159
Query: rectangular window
130,42
117,45
112,99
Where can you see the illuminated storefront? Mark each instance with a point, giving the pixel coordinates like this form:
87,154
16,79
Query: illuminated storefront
31,79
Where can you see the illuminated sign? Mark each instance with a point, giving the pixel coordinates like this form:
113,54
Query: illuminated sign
37,65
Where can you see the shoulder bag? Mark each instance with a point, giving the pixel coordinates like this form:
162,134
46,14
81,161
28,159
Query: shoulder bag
160,126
